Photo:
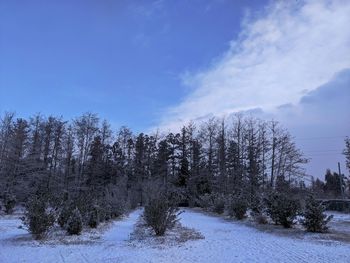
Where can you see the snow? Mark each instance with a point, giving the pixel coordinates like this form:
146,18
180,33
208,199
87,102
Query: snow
121,230
340,222
225,241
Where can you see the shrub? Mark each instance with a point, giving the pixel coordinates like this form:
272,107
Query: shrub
107,212
282,209
37,217
237,207
258,210
205,201
84,203
260,218
160,214
117,208
9,203
113,203
314,218
257,204
94,218
64,215
213,202
75,224
218,204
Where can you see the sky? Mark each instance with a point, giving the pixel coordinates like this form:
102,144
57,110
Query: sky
159,64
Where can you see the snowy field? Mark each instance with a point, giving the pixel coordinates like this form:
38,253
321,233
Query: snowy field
225,241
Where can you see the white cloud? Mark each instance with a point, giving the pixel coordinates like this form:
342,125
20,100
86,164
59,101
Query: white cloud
281,54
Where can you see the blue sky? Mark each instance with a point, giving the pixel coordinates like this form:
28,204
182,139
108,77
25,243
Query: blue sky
161,63
121,59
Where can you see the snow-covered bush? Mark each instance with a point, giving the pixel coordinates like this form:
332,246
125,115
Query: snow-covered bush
107,212
315,220
237,207
38,218
160,214
64,214
113,203
107,208
213,202
205,201
258,210
9,203
117,207
257,204
218,204
282,209
94,218
259,218
75,224
84,203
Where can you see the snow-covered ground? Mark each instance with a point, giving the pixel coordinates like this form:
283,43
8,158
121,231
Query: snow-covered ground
224,241
340,222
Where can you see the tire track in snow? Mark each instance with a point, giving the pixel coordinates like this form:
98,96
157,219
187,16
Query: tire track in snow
83,255
62,257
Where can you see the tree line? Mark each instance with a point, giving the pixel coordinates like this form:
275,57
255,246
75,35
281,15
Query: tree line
85,157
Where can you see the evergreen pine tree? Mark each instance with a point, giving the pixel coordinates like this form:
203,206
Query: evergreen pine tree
75,223
315,220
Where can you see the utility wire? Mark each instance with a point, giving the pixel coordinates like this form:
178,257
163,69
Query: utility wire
320,138
323,154
321,151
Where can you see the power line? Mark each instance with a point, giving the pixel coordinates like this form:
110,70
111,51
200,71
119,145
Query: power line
323,154
321,138
321,151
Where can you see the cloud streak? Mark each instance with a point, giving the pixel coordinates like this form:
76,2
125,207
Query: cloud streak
286,51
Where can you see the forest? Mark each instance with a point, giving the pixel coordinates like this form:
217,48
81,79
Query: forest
84,155
84,165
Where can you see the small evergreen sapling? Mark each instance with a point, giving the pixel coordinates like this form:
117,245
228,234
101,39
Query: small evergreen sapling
315,220
94,218
9,203
258,210
64,215
218,204
213,202
205,201
107,212
282,209
37,217
237,207
75,223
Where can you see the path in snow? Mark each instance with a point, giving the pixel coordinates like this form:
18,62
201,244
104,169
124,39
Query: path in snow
121,230
224,242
